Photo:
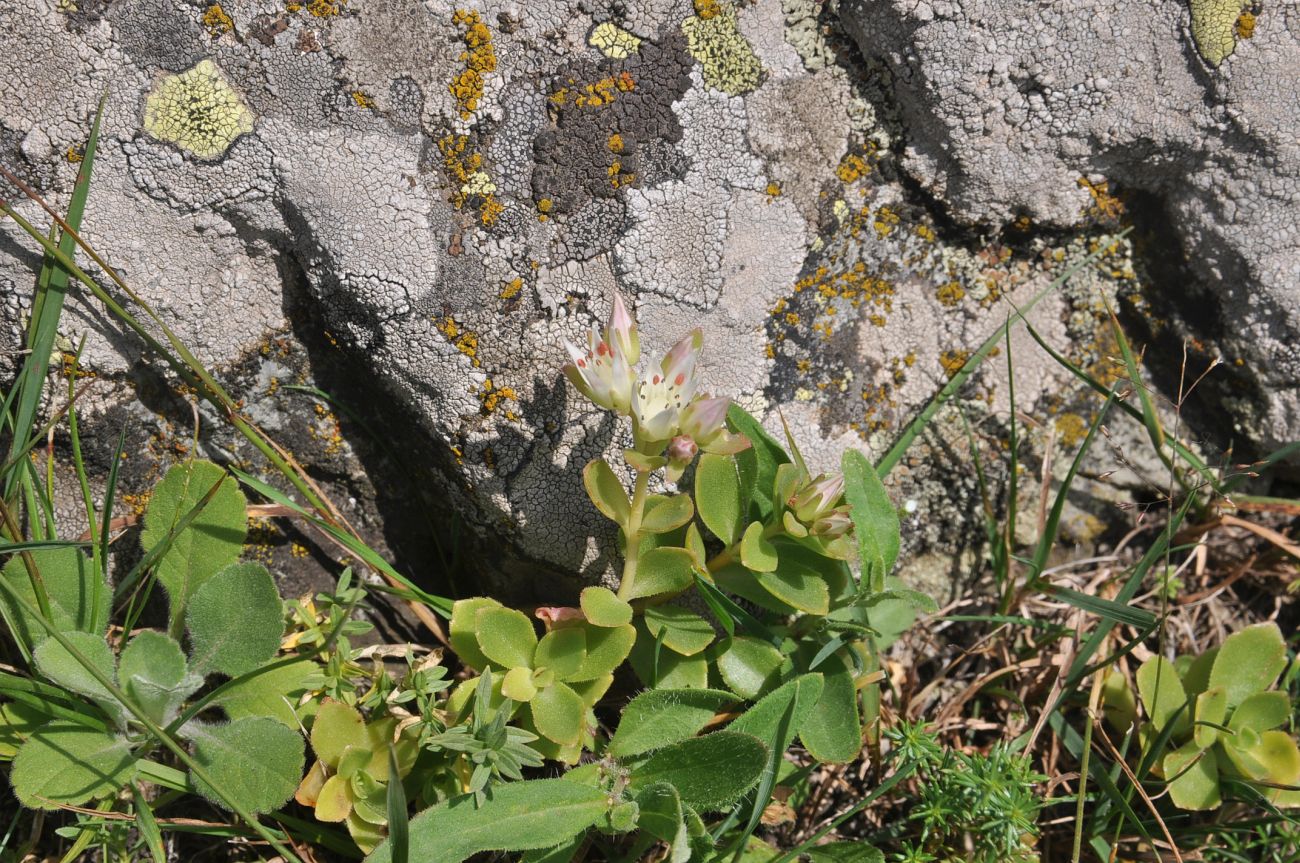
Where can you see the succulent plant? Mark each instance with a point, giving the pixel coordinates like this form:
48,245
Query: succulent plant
1217,717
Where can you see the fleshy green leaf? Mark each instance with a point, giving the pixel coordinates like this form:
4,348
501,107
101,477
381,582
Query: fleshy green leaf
749,665
832,732
709,772
1249,661
661,717
674,671
256,761
798,586
607,648
1271,757
558,713
756,551
1161,691
662,571
209,543
463,627
1211,709
1261,711
70,583
517,816
663,514
602,607
759,462
235,620
69,764
717,496
606,491
683,631
272,693
506,637
518,685
563,651
1193,775
875,521
337,726
153,673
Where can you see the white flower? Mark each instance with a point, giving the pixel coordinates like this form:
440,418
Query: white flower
662,395
605,372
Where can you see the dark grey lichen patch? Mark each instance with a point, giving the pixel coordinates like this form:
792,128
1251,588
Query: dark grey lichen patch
601,116
157,33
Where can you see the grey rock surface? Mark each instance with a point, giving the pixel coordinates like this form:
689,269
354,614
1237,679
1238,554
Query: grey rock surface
1007,105
452,192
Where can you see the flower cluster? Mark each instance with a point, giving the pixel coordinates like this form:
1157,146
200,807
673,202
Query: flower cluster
669,416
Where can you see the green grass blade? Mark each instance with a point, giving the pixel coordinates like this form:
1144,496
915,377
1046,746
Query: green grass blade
148,825
46,310
1150,416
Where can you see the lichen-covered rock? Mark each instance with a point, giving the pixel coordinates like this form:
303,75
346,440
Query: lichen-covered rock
453,191
1191,104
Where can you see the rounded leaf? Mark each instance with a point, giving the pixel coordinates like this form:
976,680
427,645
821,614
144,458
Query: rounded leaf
562,651
718,496
606,491
235,620
463,627
682,631
602,607
337,727
506,637
709,772
1249,661
663,513
256,761
756,551
661,717
749,666
663,571
558,713
67,764
607,649
518,684
78,597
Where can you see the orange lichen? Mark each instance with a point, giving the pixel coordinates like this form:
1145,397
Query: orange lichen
1245,26
464,167
1105,206
479,58
852,168
707,9
74,156
511,289
1071,428
885,221
361,100
952,361
594,95
615,143
465,340
217,20
493,398
950,293
773,189
926,233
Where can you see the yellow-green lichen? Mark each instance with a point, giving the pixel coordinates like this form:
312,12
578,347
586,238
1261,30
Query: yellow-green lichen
198,111
613,41
729,62
1214,27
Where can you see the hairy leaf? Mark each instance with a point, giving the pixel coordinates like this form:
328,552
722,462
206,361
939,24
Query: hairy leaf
709,772
255,761
78,597
235,620
64,763
662,717
717,496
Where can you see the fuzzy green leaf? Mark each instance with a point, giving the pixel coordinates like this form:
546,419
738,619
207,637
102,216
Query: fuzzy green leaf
272,693
663,514
674,671
235,620
682,631
602,607
661,816
63,763
153,673
78,597
709,772
1249,661
558,713
606,491
717,496
661,717
517,816
749,665
256,761
780,715
663,570
875,521
507,637
209,543
832,733
756,551
463,628
60,666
